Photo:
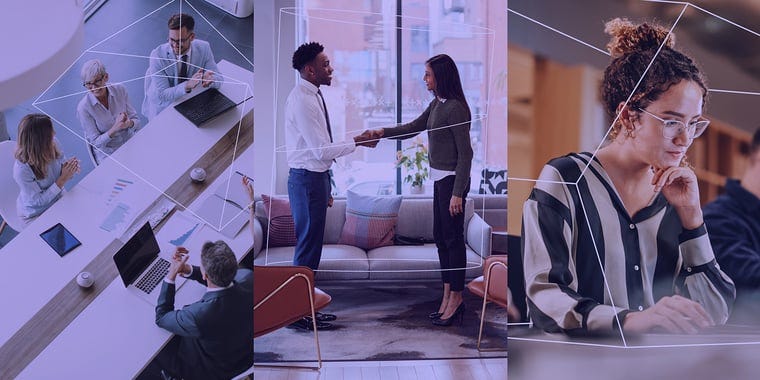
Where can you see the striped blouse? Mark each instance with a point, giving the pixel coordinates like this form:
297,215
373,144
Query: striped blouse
570,215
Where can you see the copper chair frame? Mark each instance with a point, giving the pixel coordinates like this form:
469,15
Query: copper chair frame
313,319
483,310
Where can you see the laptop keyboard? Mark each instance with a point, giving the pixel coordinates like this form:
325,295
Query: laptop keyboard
153,276
208,110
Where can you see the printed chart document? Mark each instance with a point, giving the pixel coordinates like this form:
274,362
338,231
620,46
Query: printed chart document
116,200
179,230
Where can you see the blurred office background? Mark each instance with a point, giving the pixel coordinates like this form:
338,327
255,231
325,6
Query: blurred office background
119,34
554,81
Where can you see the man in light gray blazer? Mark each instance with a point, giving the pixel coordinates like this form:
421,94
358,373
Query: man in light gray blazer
178,67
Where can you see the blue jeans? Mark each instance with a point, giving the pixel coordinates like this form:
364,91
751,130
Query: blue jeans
308,193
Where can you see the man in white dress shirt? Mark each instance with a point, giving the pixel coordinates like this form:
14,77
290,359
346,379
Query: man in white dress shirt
310,152
178,67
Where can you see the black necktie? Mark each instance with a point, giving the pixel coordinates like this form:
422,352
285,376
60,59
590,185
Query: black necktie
327,117
183,69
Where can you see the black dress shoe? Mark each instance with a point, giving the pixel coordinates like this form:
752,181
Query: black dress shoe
434,315
458,316
306,324
324,317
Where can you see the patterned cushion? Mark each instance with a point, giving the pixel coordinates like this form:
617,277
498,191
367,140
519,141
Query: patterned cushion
370,220
281,228
493,182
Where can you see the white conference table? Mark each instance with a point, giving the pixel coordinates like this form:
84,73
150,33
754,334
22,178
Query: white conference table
115,334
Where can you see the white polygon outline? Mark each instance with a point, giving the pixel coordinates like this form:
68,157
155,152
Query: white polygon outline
133,23
248,94
220,33
559,31
299,12
607,288
734,92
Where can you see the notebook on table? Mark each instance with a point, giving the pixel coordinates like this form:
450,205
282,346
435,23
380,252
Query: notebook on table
224,210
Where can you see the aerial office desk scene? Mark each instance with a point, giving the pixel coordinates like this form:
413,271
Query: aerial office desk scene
721,352
53,328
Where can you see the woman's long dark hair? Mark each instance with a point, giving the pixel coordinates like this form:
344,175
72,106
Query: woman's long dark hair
447,82
35,145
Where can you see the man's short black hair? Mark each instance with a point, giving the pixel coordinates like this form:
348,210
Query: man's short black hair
306,53
183,19
219,262
755,146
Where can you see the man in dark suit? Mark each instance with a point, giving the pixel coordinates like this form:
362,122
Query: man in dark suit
216,333
178,67
734,225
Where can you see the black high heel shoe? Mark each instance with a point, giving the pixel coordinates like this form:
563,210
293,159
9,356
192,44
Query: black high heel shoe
435,315
458,315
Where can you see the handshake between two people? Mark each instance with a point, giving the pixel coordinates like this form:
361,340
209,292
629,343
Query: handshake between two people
369,138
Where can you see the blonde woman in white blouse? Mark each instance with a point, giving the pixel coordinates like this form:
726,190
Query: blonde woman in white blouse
106,116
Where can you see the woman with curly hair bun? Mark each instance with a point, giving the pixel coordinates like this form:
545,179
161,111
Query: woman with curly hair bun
615,239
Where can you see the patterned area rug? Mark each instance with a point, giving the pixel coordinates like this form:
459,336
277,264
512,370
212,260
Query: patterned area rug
388,323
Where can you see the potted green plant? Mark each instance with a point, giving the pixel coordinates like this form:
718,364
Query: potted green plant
414,160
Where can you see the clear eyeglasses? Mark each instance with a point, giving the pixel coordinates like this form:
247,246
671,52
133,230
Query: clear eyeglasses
95,83
672,128
183,41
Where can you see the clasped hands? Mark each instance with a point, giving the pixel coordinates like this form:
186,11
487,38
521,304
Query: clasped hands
122,123
369,138
68,169
203,77
179,264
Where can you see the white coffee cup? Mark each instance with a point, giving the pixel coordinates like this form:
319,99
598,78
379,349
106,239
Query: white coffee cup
85,279
198,174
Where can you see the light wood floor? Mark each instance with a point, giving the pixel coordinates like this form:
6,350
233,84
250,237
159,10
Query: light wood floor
453,369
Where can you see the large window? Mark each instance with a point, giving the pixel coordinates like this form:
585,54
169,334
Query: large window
378,77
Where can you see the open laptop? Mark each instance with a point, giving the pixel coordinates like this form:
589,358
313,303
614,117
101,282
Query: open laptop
140,267
205,106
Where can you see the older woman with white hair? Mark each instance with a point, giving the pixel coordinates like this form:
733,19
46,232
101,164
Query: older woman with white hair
107,117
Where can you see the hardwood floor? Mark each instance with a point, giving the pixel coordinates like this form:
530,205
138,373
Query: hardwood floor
453,369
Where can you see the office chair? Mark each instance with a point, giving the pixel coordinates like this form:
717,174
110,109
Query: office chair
8,188
283,295
492,286
91,153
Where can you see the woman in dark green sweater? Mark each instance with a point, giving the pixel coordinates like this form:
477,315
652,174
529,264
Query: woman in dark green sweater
447,121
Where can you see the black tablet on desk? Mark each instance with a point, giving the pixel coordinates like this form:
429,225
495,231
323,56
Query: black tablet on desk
60,239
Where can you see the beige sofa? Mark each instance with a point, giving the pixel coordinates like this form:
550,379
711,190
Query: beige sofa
409,262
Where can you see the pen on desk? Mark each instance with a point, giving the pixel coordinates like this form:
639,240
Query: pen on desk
249,178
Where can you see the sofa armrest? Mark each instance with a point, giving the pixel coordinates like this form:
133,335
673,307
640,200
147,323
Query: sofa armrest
258,237
478,236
